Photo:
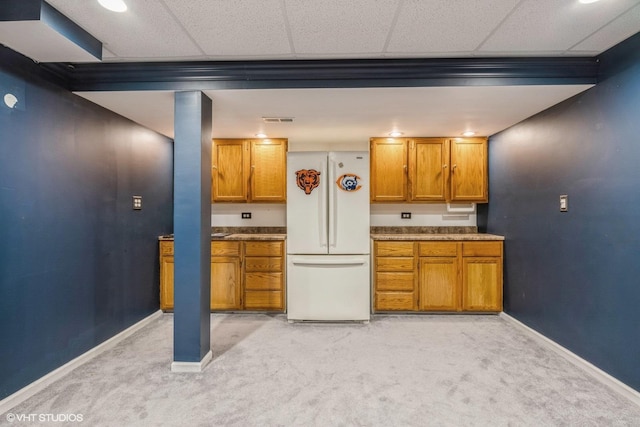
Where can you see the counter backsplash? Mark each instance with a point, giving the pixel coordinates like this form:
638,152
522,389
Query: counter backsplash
250,230
425,230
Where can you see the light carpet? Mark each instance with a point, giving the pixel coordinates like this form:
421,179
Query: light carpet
421,370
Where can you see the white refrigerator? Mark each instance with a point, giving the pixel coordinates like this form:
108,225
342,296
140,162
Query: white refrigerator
328,237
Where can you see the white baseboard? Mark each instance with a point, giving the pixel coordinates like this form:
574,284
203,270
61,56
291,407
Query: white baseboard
40,384
611,382
192,366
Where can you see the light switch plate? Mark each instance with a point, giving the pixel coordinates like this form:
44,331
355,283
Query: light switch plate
564,203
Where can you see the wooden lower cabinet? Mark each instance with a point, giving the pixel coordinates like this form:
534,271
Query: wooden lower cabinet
438,276
263,275
245,275
482,276
395,278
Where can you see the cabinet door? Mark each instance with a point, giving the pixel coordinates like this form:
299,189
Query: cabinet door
482,283
469,178
388,170
225,283
230,171
439,284
166,282
428,169
268,170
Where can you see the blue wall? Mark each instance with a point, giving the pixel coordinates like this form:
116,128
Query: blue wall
77,264
575,276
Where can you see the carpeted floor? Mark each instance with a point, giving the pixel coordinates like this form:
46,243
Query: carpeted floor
395,371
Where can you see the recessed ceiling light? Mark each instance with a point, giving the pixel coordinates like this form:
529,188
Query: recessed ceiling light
587,1
468,133
261,135
10,100
114,5
395,134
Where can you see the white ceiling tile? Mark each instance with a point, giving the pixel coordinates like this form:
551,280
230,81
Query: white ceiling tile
426,26
234,27
620,29
146,30
338,26
553,25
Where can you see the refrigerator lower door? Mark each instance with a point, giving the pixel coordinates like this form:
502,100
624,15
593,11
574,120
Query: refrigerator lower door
328,288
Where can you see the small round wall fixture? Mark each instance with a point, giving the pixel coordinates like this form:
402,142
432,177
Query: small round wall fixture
10,100
114,5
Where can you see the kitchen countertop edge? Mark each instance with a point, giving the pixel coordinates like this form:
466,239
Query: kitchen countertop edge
450,237
239,236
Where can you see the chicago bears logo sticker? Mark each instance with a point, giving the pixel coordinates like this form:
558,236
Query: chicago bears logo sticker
349,182
307,179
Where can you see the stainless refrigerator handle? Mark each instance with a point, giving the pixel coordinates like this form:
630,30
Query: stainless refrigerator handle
330,262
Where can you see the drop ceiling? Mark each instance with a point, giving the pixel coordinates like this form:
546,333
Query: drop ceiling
229,30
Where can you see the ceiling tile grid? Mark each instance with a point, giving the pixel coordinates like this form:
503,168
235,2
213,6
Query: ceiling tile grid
427,26
338,27
146,31
553,25
620,28
223,28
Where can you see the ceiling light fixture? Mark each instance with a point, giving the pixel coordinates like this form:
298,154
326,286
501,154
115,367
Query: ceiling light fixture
10,100
395,134
468,133
587,1
261,135
114,5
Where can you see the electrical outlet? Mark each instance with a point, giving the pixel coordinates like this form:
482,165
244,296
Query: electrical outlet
405,215
137,203
246,215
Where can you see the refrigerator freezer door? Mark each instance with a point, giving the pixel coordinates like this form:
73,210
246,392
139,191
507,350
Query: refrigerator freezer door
348,202
307,203
328,287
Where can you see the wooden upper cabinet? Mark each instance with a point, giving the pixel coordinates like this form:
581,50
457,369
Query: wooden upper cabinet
388,170
249,170
268,170
230,170
428,169
469,170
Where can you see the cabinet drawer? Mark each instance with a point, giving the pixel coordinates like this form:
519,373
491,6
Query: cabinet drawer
263,281
263,263
262,248
394,264
394,282
400,301
393,248
482,249
166,248
265,300
225,248
438,249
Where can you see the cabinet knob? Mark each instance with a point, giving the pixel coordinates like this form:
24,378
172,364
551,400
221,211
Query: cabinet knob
444,166
214,167
453,166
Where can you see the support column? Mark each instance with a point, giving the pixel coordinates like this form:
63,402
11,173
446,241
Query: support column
192,231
